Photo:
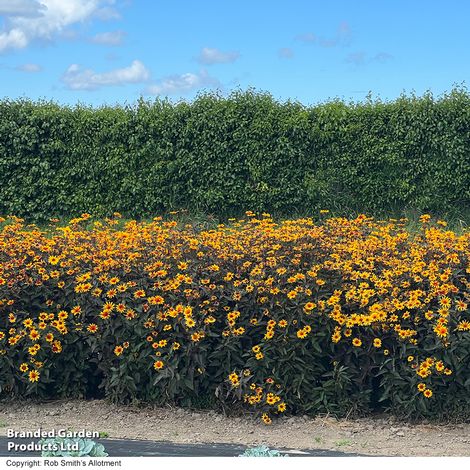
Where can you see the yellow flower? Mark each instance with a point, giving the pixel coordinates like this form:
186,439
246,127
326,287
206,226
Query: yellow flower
138,294
233,377
34,376
335,337
266,419
302,334
309,306
270,400
441,331
53,260
281,407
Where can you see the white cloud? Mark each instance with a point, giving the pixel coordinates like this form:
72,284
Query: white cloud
29,68
69,35
344,32
76,78
107,14
361,58
27,8
110,38
285,53
356,58
341,38
382,57
307,37
209,56
27,20
182,84
15,39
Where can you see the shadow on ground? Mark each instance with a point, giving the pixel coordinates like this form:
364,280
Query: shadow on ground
137,448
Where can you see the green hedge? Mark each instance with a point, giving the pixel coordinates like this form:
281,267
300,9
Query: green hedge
225,155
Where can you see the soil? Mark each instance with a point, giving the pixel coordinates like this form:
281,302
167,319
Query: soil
372,436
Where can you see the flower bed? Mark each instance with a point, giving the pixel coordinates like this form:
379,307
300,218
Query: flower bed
339,316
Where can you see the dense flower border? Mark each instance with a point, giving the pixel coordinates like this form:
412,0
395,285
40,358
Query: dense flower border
335,315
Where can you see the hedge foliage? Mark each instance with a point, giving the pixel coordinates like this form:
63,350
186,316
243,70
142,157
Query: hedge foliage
221,155
346,315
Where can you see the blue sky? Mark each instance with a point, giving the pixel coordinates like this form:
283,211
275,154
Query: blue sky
114,51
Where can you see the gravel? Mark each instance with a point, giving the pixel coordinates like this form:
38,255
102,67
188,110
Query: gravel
372,436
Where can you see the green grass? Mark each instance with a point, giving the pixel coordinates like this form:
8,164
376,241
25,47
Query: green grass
458,223
343,442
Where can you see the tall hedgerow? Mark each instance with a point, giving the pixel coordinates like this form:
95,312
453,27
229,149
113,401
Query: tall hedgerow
221,155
